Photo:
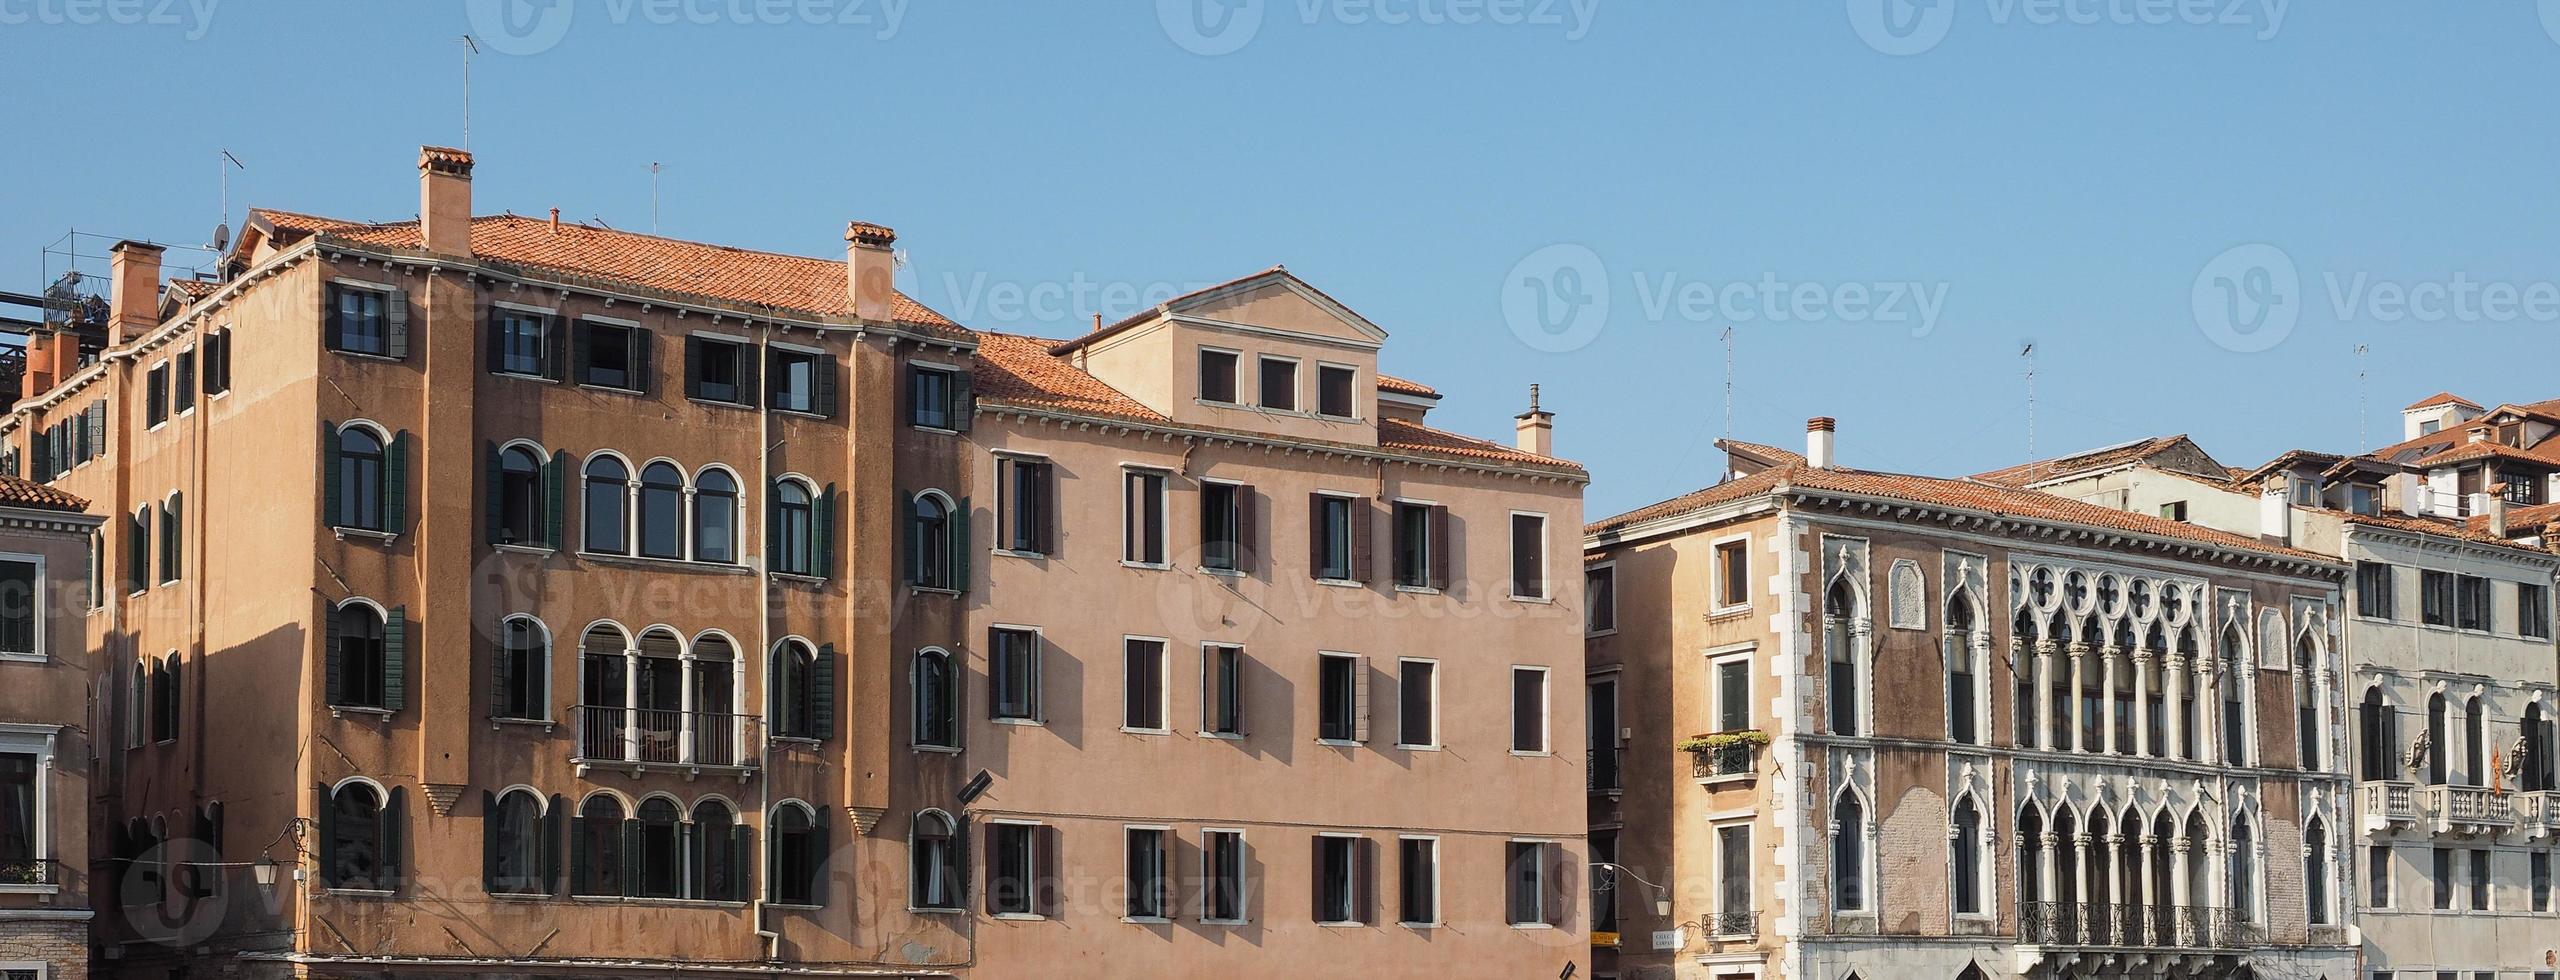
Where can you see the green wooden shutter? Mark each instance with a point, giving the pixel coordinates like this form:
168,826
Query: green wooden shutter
818,864
822,692
960,546
964,400
332,332
555,487
631,857
498,654
329,656
489,824
554,824
395,659
395,819
643,343
330,490
494,337
582,872
750,368
493,494
395,483
693,367
912,535
773,868
324,818
773,528
824,398
395,324
825,533
742,862
555,348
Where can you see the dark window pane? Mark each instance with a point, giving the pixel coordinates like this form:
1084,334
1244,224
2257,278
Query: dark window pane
1217,376
1279,384
1334,392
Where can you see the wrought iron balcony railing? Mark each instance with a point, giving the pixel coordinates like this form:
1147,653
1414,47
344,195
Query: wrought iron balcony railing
2135,926
643,737
1738,760
1603,770
29,871
1731,926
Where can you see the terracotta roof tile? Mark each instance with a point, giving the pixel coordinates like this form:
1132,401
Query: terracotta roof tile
2442,398
1696,500
191,290
1400,434
1389,382
719,272
20,492
2029,474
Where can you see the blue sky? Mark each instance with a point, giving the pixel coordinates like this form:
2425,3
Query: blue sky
2073,172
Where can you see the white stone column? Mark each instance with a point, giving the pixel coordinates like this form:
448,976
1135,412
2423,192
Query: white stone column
2143,696
684,714
2079,704
2174,699
2181,891
2107,658
2044,696
631,704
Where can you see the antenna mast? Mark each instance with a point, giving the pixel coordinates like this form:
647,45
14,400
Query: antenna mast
1728,382
469,48
2364,440
2029,353
653,196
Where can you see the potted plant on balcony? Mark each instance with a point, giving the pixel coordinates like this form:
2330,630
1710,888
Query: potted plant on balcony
1723,753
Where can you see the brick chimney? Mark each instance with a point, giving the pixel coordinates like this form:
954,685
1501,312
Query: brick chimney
40,373
869,267
133,271
2498,511
1535,429
1819,434
444,200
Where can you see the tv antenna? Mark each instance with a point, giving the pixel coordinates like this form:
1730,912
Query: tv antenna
222,168
2028,352
469,47
654,167
1728,383
2364,440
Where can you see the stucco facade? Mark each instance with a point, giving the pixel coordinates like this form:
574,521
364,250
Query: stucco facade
48,889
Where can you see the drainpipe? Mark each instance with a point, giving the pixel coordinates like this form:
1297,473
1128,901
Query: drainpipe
764,643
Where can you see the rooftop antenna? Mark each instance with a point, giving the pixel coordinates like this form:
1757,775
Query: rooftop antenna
653,196
2364,439
222,168
469,47
2028,351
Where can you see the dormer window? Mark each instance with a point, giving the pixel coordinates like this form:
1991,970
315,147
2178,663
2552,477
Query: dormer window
1279,384
1334,386
2365,500
1217,376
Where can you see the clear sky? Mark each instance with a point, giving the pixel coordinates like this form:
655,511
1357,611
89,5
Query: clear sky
1896,197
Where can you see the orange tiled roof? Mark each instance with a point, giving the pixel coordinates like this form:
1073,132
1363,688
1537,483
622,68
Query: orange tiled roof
719,272
2482,450
190,290
2521,521
1961,494
2476,530
2442,398
2029,474
20,492
1021,370
1389,382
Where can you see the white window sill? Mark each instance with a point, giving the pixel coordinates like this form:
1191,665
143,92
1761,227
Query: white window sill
341,710
1023,722
1150,565
547,725
1419,925
805,413
1343,583
24,658
1012,553
1340,743
796,740
1226,922
1222,572
1146,920
717,403
1434,747
1126,730
610,389
1534,600
523,375
30,889
647,561
1531,926
1718,611
800,578
526,549
936,430
1019,917
366,355
358,892
1417,589
344,533
795,908
932,590
920,910
1224,736
1342,925
1596,634
937,749
1523,754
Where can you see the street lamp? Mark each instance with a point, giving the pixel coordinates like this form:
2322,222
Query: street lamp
1609,872
264,871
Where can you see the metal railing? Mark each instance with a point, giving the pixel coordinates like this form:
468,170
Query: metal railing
2101,924
1604,770
1726,761
658,736
1733,925
29,871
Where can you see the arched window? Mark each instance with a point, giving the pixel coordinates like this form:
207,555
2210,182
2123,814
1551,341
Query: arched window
364,671
933,855
2436,736
1839,605
361,477
715,516
604,692
2235,710
793,526
937,536
1964,676
173,538
520,685
515,515
717,740
360,838
659,864
662,511
803,691
164,697
2244,870
2031,890
1967,857
595,853
2374,724
937,706
515,844
2023,681
607,506
658,718
720,852
2306,704
798,859
1848,854
2475,742
2315,871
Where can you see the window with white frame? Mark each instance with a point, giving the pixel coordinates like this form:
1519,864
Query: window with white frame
1729,690
1013,674
1150,883
1417,703
1218,376
1342,877
1143,684
1142,537
1418,881
1528,556
1529,710
1222,893
1222,690
1279,383
26,757
1337,391
1341,698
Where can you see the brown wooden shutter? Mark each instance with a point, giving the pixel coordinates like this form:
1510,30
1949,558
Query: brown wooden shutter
1048,483
1439,547
1045,888
1248,540
1364,515
1315,535
1364,880
1315,879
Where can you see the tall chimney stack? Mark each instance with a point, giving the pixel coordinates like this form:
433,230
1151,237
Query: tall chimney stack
133,272
40,375
444,200
2498,511
869,268
1818,437
1535,429
2275,510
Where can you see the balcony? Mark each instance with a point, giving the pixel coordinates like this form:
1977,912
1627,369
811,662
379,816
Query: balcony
2540,813
1732,927
2468,809
640,740
2389,805
29,873
1603,771
1725,756
2100,925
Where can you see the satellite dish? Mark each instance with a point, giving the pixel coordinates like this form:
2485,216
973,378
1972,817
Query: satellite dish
222,237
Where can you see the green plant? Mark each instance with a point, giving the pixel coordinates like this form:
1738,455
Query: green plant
1722,740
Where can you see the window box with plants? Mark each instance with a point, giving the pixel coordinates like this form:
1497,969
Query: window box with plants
1724,755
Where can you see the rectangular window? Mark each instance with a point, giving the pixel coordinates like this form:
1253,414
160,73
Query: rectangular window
1417,703
2374,597
719,371
172,541
1418,881
1528,556
217,361
2175,510
1143,691
1222,690
1732,694
1419,529
1528,709
1338,698
1148,882
2441,872
20,821
518,339
1226,525
2533,610
1013,674
183,389
2377,876
1279,388
1733,880
1217,376
1013,868
1340,880
1024,506
800,381
611,355
1222,893
1600,599
2479,881
1733,574
2473,611
22,607
155,395
1334,537
357,321
1142,517
1524,883
934,398
2364,500
1335,385
2435,592
2539,881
